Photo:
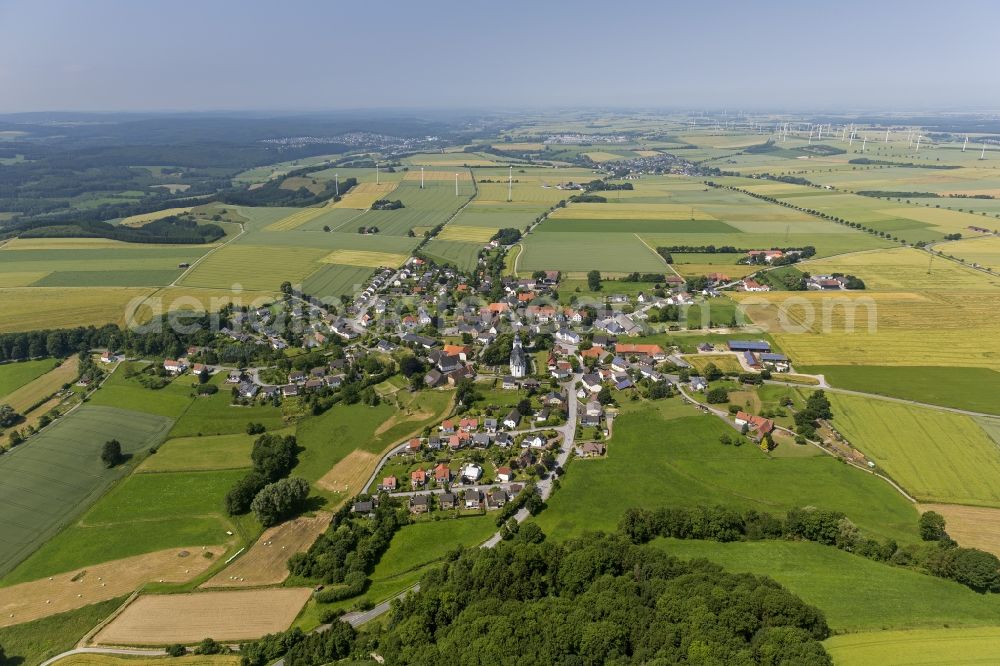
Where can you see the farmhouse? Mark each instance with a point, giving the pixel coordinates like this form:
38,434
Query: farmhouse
776,362
749,284
174,367
757,426
652,351
749,345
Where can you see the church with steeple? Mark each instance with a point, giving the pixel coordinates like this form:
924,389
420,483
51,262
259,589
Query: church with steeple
518,361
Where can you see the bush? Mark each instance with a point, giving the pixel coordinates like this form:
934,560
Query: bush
176,650
717,396
279,500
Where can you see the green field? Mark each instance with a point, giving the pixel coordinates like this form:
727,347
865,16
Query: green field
655,461
143,514
855,593
936,456
31,643
973,389
127,393
461,254
584,251
15,375
201,453
956,647
326,439
333,281
216,415
58,473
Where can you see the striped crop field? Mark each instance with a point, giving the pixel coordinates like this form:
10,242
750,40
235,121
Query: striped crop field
631,211
295,220
363,195
370,258
468,234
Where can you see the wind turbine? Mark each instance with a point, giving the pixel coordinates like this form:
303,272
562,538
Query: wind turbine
966,143
456,184
820,136
919,137
510,185
886,135
336,185
376,173
421,178
864,143
982,155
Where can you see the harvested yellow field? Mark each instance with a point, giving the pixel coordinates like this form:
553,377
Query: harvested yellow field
519,146
21,279
32,308
296,219
647,153
81,587
188,618
363,195
951,220
471,234
630,211
970,526
734,271
266,563
904,268
371,259
526,191
937,328
94,659
350,473
984,251
435,174
41,388
139,220
450,159
80,244
601,156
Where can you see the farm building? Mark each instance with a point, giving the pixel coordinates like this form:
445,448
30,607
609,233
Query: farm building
749,345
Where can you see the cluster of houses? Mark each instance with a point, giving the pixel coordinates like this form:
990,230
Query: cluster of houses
469,499
826,282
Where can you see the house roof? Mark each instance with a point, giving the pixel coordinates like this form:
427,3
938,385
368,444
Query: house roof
624,348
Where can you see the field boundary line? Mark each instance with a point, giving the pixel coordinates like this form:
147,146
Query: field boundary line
202,258
649,247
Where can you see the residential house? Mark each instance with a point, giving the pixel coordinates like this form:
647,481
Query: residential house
447,501
698,383
468,424
175,367
512,420
749,284
496,499
757,427
591,383
248,390
418,478
473,499
592,449
505,474
388,484
289,390
364,507
413,445
442,474
447,426
420,504
490,425
504,440
509,383
481,440
472,472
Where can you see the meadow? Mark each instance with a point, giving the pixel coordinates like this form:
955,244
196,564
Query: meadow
216,415
200,453
334,281
15,375
27,396
31,643
459,253
580,252
58,473
972,389
127,393
657,461
958,647
855,593
936,456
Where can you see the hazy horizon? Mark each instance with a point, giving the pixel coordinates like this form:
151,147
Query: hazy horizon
313,57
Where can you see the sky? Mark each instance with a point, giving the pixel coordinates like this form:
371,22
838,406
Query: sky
152,55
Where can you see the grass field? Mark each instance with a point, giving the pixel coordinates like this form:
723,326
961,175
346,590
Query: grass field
584,251
957,647
363,195
200,453
271,266
32,643
295,220
127,393
15,375
215,415
962,388
937,456
333,281
724,362
855,593
329,438
26,396
462,254
47,481
188,618
656,461
631,211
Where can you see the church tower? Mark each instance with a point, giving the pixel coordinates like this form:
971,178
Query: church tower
518,361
